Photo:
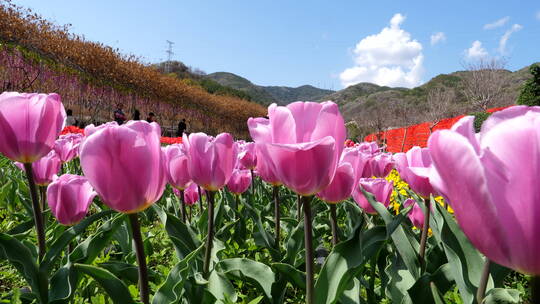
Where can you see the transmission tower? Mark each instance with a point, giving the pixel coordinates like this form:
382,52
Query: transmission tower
170,53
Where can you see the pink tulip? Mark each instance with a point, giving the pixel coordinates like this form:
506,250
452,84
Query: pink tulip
266,170
191,194
91,129
346,178
124,164
370,148
490,181
413,161
247,155
379,187
67,146
176,166
29,125
303,142
380,165
416,215
211,160
69,197
240,181
44,169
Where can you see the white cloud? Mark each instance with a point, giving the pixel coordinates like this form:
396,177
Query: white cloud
438,37
506,36
476,51
496,24
389,58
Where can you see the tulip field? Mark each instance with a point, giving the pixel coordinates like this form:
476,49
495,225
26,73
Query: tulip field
296,214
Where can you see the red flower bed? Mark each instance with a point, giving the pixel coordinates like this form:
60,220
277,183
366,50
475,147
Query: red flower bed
164,139
403,139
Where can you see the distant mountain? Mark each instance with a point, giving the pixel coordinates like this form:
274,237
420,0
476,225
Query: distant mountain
359,102
257,93
303,93
269,94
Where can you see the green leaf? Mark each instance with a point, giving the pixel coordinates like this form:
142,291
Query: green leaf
220,288
182,236
60,244
22,259
344,262
88,250
126,271
115,288
465,261
407,250
63,284
429,287
352,295
257,272
501,295
294,276
295,243
22,227
171,290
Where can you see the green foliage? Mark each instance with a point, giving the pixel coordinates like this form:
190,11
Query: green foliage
530,92
375,262
479,118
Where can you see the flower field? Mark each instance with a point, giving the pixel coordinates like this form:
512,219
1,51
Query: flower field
118,214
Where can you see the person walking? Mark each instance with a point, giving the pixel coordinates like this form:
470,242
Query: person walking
136,115
119,115
151,117
181,128
70,120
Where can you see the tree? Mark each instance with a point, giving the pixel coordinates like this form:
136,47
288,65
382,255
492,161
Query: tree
484,82
440,105
530,92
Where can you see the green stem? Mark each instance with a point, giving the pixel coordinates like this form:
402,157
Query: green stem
252,183
200,198
425,229
308,239
481,292
141,259
535,289
38,216
299,207
43,193
333,224
277,215
182,201
210,236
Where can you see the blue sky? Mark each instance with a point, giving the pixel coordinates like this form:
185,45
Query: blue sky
329,44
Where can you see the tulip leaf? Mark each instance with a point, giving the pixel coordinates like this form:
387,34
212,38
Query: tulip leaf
429,287
501,295
259,273
63,284
465,261
406,247
125,271
292,275
400,279
183,238
345,261
24,261
295,244
171,290
351,295
22,227
220,288
89,249
67,236
115,288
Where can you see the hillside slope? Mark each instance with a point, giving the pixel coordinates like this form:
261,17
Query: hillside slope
269,94
402,106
